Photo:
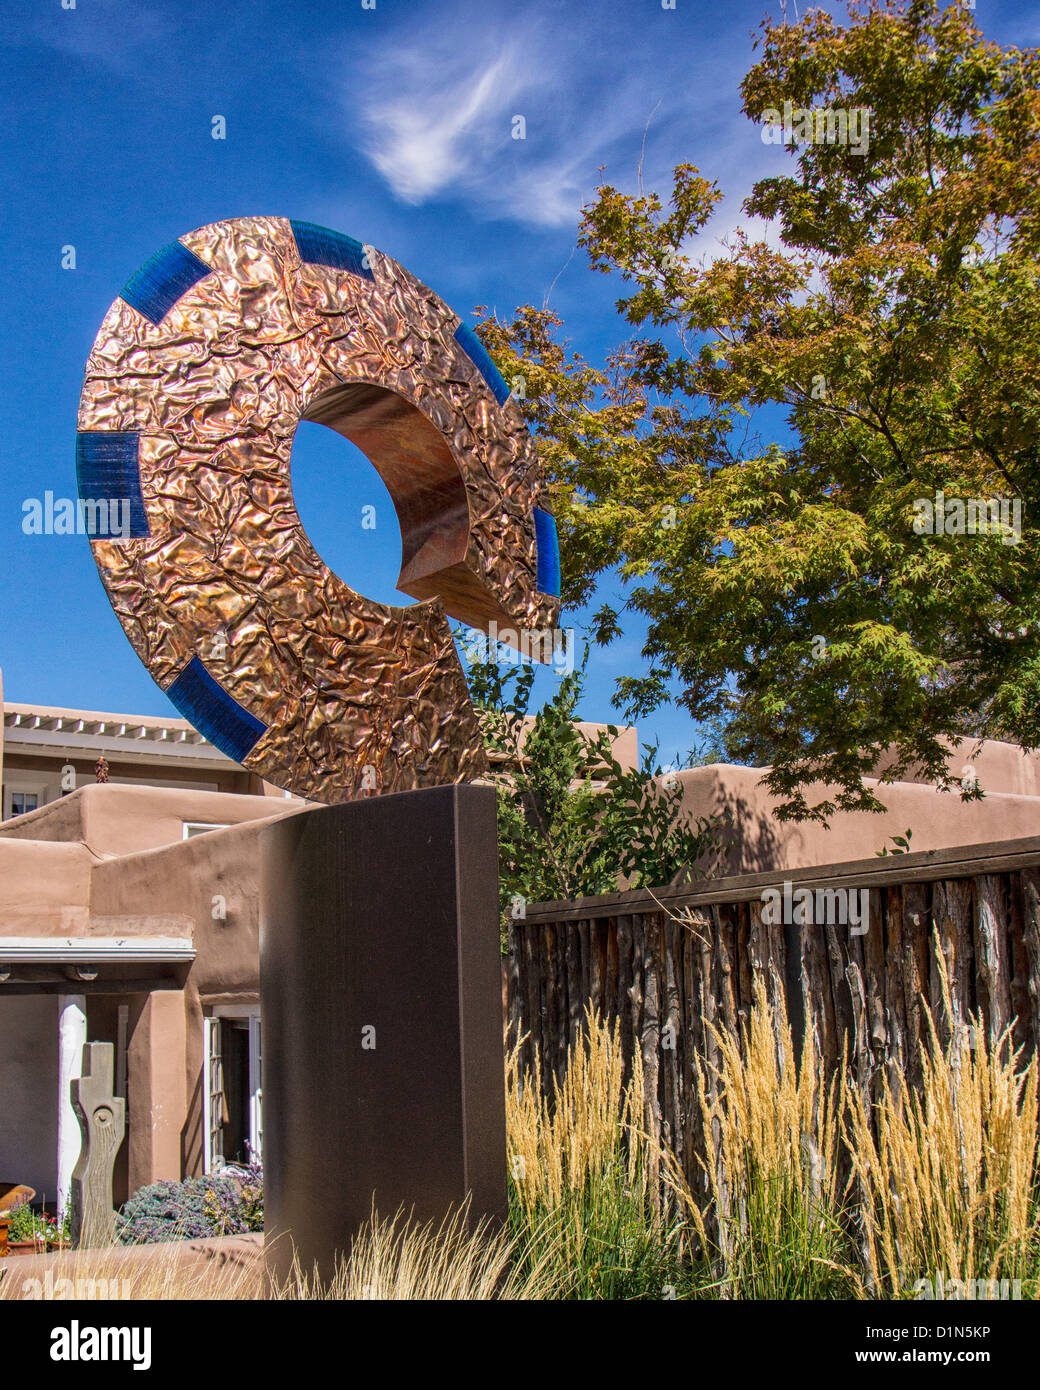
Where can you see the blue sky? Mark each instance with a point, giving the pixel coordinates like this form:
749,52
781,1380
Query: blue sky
392,124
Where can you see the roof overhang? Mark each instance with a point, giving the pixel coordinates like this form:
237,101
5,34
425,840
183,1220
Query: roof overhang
96,950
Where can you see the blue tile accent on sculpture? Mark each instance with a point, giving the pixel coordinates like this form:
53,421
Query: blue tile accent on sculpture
107,470
547,542
322,246
156,287
205,704
481,359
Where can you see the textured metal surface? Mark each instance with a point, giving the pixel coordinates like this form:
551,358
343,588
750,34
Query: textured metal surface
355,696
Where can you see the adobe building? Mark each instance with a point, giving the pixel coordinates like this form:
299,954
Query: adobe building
129,915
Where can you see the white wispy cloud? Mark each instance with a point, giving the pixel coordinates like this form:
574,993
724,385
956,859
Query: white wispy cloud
436,115
428,128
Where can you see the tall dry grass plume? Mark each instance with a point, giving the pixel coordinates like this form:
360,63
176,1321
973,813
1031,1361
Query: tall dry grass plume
948,1176
402,1261
773,1228
591,1191
572,1138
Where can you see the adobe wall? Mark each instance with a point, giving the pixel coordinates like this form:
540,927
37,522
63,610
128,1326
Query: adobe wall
193,881
757,841
215,1267
209,884
45,888
110,819
999,767
111,860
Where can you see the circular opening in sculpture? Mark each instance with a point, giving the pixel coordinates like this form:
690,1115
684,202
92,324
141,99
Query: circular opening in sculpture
424,483
347,513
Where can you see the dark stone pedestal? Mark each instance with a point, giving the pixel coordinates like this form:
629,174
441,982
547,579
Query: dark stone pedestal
382,1017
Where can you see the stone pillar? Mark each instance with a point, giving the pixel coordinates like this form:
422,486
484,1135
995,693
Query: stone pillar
72,1034
380,991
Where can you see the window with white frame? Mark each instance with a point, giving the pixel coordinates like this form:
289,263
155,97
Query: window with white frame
191,828
232,1095
25,791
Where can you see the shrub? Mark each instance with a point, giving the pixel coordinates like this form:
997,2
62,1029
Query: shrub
218,1205
571,820
237,1204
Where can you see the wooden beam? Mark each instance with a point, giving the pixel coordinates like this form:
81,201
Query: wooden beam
64,986
927,866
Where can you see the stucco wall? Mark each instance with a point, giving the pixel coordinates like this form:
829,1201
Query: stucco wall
209,884
44,888
112,861
758,841
999,767
111,819
47,856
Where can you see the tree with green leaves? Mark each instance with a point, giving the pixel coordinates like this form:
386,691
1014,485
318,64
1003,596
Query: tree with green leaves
886,336
572,821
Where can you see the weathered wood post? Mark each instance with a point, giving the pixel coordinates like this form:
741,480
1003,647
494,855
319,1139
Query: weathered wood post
102,1122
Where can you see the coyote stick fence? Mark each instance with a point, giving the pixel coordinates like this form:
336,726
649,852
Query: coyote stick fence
668,963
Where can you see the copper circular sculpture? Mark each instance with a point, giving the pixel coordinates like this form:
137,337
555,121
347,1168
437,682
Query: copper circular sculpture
204,366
